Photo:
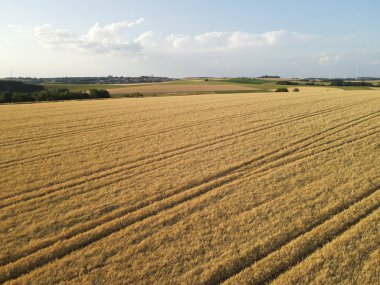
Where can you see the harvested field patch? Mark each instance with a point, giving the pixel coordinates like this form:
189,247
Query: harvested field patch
233,188
174,88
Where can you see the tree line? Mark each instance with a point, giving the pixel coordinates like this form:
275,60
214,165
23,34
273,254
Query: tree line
16,91
341,82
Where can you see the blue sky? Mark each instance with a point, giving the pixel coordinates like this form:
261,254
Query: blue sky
190,38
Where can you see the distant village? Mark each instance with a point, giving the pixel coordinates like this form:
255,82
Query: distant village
95,80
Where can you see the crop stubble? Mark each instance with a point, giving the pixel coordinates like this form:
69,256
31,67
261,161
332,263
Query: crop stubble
234,188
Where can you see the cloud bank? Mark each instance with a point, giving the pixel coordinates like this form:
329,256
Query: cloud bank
114,38
98,39
124,47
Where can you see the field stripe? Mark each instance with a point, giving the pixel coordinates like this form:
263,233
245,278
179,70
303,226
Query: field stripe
145,110
263,269
260,159
341,228
107,125
65,114
65,247
10,143
173,219
338,134
230,104
304,148
72,192
87,190
10,163
101,173
230,136
270,163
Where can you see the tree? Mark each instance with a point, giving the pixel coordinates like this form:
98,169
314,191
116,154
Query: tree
95,93
18,86
5,97
282,90
286,82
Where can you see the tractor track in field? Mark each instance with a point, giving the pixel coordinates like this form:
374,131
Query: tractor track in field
211,184
59,152
330,230
101,173
110,124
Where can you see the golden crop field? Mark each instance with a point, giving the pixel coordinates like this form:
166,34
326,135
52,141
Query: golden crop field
279,188
174,88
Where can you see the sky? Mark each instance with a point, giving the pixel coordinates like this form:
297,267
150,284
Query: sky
178,38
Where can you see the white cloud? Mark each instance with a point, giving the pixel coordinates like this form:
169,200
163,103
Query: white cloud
98,39
227,41
146,39
273,37
98,33
329,57
52,37
112,39
245,40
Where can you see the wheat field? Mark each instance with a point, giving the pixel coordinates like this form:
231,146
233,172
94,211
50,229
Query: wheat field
234,189
175,88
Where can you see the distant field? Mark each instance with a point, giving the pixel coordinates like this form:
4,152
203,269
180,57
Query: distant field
175,88
189,86
233,189
250,80
356,88
82,87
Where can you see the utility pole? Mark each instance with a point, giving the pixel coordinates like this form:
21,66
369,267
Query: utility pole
357,72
